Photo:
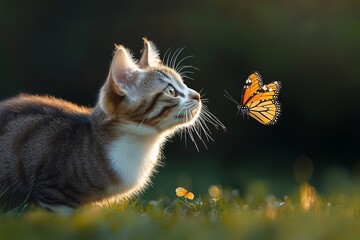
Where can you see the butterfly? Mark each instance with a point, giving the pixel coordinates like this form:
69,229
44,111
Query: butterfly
182,192
259,100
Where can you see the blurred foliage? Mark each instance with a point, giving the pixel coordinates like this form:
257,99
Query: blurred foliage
228,215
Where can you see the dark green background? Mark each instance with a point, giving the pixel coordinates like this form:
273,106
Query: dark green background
64,48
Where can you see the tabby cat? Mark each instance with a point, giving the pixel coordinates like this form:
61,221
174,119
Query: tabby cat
61,156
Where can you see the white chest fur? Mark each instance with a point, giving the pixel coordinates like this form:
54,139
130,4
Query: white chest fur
133,159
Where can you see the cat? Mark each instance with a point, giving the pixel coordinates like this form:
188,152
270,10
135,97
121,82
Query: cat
61,156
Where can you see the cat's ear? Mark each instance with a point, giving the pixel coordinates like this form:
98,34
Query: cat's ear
150,55
123,71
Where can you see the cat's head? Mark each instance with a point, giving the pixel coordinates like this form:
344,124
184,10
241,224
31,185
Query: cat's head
147,96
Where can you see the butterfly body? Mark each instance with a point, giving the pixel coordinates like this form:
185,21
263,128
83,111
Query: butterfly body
244,109
259,101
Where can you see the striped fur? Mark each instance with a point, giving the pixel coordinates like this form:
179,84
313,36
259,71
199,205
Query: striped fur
61,156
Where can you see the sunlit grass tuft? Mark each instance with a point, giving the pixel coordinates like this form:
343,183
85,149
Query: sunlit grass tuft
222,214
309,199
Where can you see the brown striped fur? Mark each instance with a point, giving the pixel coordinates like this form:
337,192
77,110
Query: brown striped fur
56,154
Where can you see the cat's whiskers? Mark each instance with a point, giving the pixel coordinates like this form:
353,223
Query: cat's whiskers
200,127
170,63
184,72
202,123
171,59
187,66
185,76
202,95
168,57
197,131
183,59
173,63
185,129
190,132
190,106
181,110
167,51
205,100
212,119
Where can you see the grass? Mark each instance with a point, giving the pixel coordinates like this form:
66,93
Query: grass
223,214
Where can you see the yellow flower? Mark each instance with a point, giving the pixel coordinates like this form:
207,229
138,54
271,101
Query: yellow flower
215,191
182,192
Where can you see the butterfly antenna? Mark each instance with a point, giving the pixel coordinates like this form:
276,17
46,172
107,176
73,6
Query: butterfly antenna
228,96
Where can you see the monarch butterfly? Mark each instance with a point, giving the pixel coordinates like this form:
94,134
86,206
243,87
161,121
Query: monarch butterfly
182,192
258,100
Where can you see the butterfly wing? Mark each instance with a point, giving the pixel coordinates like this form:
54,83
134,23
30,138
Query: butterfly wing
263,104
252,85
266,92
265,111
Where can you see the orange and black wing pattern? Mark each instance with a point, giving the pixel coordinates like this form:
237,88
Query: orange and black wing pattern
252,85
265,111
261,100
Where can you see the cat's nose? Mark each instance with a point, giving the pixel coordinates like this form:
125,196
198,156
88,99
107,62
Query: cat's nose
192,94
195,96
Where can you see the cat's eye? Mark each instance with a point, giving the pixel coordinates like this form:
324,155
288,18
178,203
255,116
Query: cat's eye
170,90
